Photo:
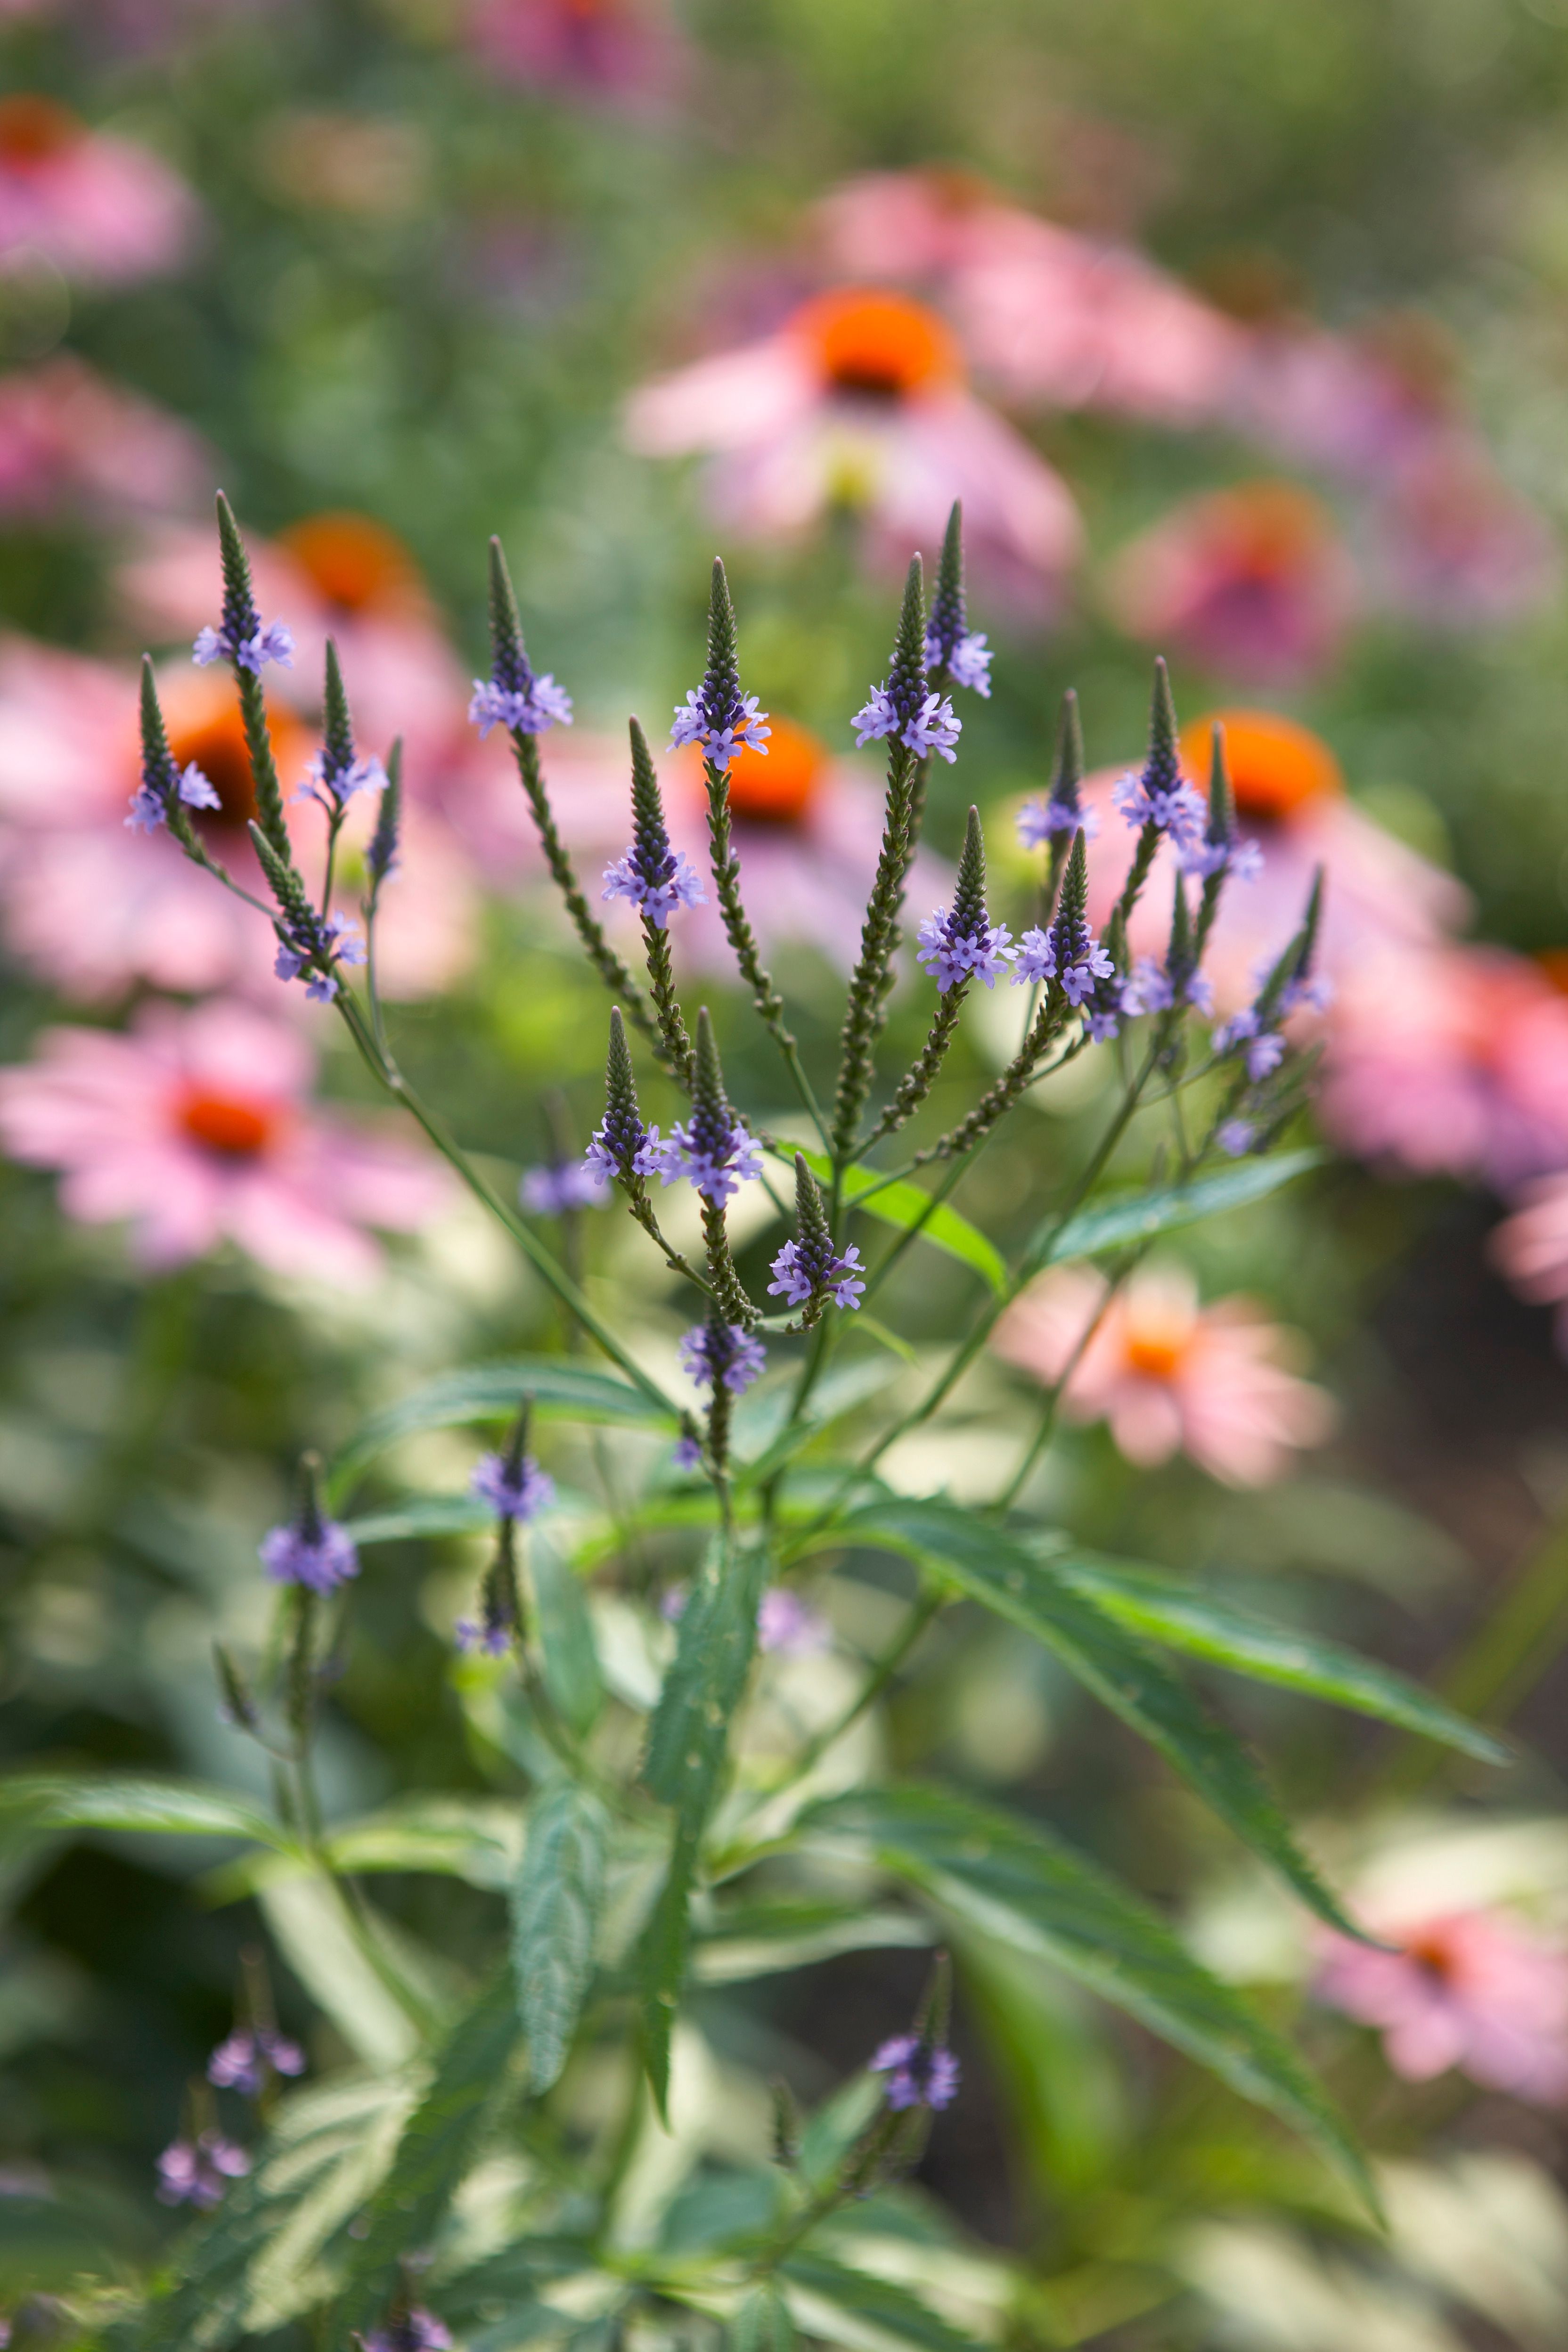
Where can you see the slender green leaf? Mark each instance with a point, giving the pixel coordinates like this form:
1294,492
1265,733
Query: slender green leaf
490,1392
762,2322
436,2146
686,1743
423,1515
37,1801
904,1205
994,1569
1170,1611
851,2307
554,1913
1018,1884
1138,1216
571,1662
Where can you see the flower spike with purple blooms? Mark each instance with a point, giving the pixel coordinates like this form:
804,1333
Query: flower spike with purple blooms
245,2060
311,1551
921,2070
1069,955
513,695
561,1187
1161,988
654,876
718,1355
308,944
622,1147
381,859
949,645
716,715
923,728
199,2171
241,637
164,792
808,1272
1221,853
713,1147
337,770
1158,801
1052,823
960,943
512,1482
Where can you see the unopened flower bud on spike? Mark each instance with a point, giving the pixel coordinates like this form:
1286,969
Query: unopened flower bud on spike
716,715
381,858
1052,822
654,876
713,1147
312,1550
165,792
1157,800
512,696
622,1147
808,1272
949,647
337,771
960,943
246,646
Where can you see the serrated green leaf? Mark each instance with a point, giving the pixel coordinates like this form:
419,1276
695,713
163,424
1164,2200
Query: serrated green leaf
436,2144
554,1913
994,1569
571,1662
852,2308
490,1392
162,1807
1140,1216
762,2322
1018,1885
687,1742
1170,1611
904,1205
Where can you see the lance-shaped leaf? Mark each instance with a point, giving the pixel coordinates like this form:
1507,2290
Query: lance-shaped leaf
44,1801
902,1206
761,2323
434,2150
554,1913
1168,1611
1140,1216
1015,1884
493,1392
687,1742
994,1569
851,2307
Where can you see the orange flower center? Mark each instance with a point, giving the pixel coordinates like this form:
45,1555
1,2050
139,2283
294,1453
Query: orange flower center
33,128
777,790
226,1124
1433,1951
1156,1354
356,563
1275,766
878,345
1554,962
216,744
1270,528
204,725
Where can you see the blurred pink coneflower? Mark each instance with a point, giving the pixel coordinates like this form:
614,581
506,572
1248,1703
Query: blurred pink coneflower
1251,581
100,208
1471,1989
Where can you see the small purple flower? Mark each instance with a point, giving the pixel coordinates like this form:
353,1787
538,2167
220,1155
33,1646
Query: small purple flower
967,660
197,2172
714,1150
149,800
527,706
514,1490
1039,821
627,1149
562,1186
1178,809
415,2331
249,651
721,1351
672,1603
1261,1049
493,1637
1313,989
725,722
950,952
1241,860
931,727
315,1552
306,945
1154,989
1084,963
789,1627
688,1455
243,2062
797,1277
1236,1138
330,786
658,887
919,2073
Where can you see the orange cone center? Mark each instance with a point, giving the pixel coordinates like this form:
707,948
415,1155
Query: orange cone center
878,345
780,789
1277,767
226,1124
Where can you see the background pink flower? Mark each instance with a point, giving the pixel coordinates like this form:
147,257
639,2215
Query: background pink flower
1530,1248
98,207
1167,1373
195,1128
1472,1989
69,438
625,49
1252,581
859,401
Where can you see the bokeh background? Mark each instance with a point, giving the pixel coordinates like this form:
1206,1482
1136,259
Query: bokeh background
1243,332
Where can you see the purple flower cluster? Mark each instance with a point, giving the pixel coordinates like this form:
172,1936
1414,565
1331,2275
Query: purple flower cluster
1177,808
330,782
315,1552
524,704
1261,1049
952,948
967,659
723,720
714,1150
789,1627
688,1453
197,2172
514,1490
721,1351
803,1271
149,800
562,1186
655,880
415,2331
920,2073
1069,954
1154,988
1242,861
246,643
1236,1138
308,943
622,1146
243,2062
1039,821
926,726
491,1635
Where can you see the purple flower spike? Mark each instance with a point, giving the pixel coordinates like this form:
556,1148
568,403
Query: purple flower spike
950,952
1151,989
1178,809
931,726
311,940
801,1272
714,1150
526,705
315,1552
243,2062
1236,1138
415,2331
514,1490
919,2074
330,786
657,885
197,2172
1041,957
724,722
967,660
688,1455
1040,821
564,1186
149,800
251,651
722,1351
